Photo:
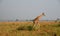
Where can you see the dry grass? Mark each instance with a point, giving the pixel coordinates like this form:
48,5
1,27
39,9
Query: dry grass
44,28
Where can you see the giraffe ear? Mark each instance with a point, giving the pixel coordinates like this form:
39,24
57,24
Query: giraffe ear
43,14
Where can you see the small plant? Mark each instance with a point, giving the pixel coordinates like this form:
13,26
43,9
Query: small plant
58,25
25,28
30,28
20,28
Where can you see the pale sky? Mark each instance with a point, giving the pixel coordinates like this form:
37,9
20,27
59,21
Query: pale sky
29,9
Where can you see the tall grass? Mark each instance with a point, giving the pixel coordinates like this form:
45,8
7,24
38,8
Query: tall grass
26,29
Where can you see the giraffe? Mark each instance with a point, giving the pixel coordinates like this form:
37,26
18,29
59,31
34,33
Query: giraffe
36,20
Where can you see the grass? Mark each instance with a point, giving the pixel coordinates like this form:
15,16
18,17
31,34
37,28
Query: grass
26,29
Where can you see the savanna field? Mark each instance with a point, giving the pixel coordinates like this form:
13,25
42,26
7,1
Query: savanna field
17,28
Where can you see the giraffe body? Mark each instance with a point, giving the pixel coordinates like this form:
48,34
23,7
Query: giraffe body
36,20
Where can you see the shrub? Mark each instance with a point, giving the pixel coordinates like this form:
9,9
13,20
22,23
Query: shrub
30,28
58,25
20,28
25,28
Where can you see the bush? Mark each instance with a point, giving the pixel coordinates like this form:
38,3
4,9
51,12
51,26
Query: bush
20,28
56,25
25,28
30,28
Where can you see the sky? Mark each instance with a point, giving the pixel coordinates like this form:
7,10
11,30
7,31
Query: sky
29,9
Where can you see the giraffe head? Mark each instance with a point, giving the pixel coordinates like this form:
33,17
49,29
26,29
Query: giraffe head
43,14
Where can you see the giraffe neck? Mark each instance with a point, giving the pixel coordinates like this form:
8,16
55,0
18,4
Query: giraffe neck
40,16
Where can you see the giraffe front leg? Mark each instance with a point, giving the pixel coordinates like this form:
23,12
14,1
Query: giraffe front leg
38,26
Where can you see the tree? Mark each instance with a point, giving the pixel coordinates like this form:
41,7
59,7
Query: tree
17,19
